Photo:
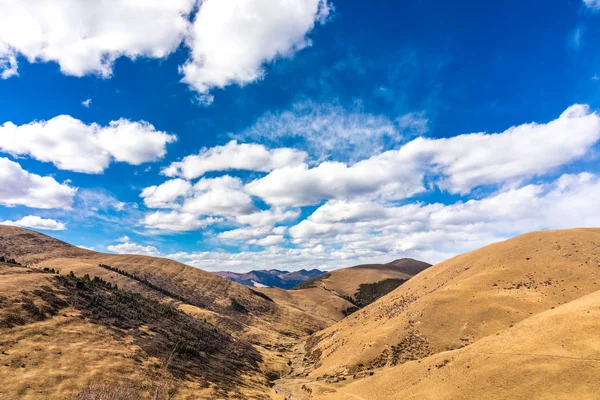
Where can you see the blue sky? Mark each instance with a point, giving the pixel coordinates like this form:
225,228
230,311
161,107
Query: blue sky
298,133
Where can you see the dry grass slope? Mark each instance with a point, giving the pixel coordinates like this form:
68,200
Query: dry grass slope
551,355
51,353
346,281
517,319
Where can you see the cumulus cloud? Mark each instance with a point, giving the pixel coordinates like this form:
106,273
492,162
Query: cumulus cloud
343,233
440,231
270,240
132,248
166,194
259,225
176,221
124,239
87,37
231,40
246,233
72,145
476,159
268,217
456,164
234,156
331,131
222,196
390,174
219,196
208,202
86,103
36,222
19,187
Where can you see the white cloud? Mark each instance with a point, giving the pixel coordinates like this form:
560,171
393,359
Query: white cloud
222,197
86,103
72,145
457,164
166,194
260,224
36,222
270,240
330,131
390,174
8,62
215,196
268,217
210,201
246,233
436,231
176,221
132,248
234,156
134,142
124,239
19,187
219,196
521,152
231,40
87,37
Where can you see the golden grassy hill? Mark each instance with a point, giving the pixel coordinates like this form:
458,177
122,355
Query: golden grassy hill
348,282
552,355
30,247
516,320
60,332
334,295
323,305
460,301
189,285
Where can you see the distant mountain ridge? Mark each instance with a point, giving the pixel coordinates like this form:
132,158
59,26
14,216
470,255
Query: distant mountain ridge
271,278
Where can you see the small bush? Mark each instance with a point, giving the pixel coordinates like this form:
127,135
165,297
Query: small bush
11,320
369,292
237,306
262,295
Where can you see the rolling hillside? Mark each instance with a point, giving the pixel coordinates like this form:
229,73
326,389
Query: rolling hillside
514,319
41,310
364,284
551,355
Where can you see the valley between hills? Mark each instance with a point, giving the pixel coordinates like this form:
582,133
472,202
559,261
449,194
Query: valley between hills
519,319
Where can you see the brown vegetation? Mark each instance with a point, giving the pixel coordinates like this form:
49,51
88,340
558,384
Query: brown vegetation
517,319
